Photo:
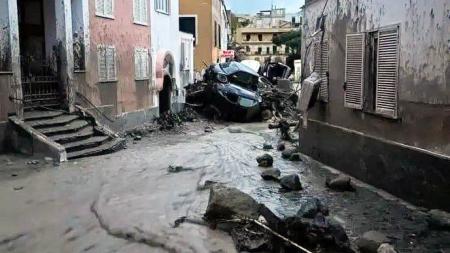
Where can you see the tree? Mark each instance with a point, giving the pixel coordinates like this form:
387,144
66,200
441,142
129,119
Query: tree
291,39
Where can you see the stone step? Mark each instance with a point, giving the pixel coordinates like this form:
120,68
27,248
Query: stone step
52,105
91,142
57,121
38,115
108,147
72,137
69,128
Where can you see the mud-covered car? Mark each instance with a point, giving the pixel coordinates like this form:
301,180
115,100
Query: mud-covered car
231,91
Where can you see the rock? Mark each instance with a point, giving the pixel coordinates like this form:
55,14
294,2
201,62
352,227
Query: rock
286,154
137,138
33,162
439,219
267,146
48,159
281,146
235,130
208,129
18,188
271,174
291,182
340,183
251,238
386,248
265,160
310,207
227,203
295,157
177,169
371,241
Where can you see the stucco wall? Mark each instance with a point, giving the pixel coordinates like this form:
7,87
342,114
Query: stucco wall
205,43
424,76
125,95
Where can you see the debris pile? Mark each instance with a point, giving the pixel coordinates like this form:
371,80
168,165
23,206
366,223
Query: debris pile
170,120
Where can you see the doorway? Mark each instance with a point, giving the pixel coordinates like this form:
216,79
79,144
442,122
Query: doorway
165,96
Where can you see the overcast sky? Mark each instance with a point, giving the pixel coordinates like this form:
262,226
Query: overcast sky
253,6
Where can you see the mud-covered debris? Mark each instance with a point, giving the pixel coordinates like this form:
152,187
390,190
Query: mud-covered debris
209,129
267,146
251,238
227,203
291,182
310,207
137,138
438,219
287,153
265,160
177,169
371,241
271,174
295,157
386,248
170,120
281,146
33,162
340,183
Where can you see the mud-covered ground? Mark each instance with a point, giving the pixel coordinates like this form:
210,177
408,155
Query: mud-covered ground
128,201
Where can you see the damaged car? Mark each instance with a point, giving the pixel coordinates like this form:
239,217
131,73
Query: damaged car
229,91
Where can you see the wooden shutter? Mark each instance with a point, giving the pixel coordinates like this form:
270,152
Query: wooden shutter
111,63
137,65
144,68
144,14
136,11
109,8
321,67
102,65
354,71
387,72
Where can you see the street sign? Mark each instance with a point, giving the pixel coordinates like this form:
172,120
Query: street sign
227,54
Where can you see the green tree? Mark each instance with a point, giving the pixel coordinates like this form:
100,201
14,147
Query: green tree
292,40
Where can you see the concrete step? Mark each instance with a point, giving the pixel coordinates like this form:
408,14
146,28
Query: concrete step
69,128
105,148
38,115
53,122
91,142
73,137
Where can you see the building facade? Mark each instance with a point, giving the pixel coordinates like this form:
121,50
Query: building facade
207,20
384,110
98,54
256,39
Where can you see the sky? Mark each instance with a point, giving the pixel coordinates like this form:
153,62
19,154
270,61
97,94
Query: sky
253,6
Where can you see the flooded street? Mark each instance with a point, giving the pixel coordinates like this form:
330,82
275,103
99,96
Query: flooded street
129,201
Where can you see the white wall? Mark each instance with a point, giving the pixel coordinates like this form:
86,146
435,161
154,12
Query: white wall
165,35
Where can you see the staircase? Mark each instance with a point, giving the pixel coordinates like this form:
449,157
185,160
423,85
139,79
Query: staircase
79,135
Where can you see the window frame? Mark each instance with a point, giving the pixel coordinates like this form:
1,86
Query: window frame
104,14
196,39
144,10
102,51
159,9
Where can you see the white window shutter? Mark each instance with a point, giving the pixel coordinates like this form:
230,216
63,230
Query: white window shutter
387,72
321,67
100,6
136,11
146,63
144,15
109,8
101,59
111,63
137,69
354,70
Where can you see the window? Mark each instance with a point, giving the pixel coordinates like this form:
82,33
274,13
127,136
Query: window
140,12
247,48
188,24
321,67
268,50
220,36
274,49
162,6
141,64
248,37
104,8
106,58
371,78
259,50
215,33
260,37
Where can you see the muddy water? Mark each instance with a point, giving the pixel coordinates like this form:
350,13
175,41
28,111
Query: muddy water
129,201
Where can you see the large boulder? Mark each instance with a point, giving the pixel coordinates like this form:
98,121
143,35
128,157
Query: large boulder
228,203
438,219
371,241
287,153
271,174
291,182
340,183
281,146
296,157
386,248
265,160
310,207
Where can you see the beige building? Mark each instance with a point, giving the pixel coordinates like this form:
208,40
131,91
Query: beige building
207,20
256,38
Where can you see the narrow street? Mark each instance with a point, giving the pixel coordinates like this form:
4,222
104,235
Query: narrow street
129,201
